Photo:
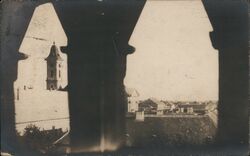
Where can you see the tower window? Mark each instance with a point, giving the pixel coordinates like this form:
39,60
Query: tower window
59,73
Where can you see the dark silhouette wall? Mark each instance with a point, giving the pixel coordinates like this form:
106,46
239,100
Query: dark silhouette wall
229,19
98,35
15,19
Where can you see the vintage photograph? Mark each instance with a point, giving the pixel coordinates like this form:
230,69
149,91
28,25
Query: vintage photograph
172,78
136,77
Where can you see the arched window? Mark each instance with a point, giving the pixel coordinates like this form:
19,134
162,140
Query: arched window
59,73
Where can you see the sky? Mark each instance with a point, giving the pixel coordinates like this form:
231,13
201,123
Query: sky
174,57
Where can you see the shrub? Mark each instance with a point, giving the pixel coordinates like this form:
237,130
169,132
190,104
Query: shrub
36,140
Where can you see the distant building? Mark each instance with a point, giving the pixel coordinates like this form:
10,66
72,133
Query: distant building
152,106
132,98
169,107
54,69
139,116
193,108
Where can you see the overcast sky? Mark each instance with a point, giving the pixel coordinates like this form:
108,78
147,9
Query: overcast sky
174,58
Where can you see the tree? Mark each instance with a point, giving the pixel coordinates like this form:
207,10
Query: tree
37,140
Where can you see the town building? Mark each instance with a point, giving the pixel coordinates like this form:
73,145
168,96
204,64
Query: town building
152,106
132,99
191,108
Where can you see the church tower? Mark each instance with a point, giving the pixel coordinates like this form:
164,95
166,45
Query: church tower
54,69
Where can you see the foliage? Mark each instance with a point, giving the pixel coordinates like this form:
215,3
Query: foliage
37,140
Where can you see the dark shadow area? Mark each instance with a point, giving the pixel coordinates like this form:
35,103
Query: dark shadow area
13,28
229,19
98,35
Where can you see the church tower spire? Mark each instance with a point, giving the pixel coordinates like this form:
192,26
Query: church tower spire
54,69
